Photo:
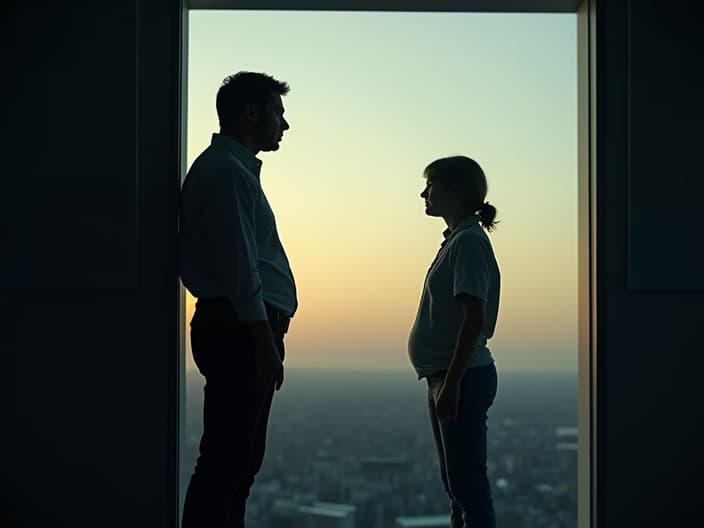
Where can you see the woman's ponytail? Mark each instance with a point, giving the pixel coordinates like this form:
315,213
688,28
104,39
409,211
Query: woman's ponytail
487,215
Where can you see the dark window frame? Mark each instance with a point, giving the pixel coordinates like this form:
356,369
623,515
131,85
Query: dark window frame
586,102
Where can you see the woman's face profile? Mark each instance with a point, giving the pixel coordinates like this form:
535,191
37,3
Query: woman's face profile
438,198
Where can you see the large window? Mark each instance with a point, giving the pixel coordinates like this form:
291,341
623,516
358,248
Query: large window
374,98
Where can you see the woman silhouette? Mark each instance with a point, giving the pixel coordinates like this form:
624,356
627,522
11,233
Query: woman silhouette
447,344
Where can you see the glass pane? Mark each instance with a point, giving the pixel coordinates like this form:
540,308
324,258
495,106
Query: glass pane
374,98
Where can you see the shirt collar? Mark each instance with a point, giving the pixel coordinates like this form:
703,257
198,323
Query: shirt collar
468,222
240,151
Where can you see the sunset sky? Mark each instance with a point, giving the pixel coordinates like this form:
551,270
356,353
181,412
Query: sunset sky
374,98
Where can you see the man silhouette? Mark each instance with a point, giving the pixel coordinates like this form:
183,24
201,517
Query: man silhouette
232,260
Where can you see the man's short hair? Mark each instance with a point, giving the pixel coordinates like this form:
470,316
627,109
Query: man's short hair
245,88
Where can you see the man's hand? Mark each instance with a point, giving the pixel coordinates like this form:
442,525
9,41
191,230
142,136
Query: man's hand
269,370
447,405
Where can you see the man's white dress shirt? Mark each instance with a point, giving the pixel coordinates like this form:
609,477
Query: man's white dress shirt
228,242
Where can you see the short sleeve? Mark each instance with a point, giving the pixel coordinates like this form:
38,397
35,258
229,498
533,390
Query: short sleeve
470,259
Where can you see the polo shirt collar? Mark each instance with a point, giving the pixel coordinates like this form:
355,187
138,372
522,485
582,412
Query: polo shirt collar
464,224
240,151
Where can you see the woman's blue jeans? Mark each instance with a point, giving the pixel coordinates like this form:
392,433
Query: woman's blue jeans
461,447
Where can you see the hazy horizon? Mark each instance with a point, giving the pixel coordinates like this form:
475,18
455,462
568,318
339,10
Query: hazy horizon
405,371
399,372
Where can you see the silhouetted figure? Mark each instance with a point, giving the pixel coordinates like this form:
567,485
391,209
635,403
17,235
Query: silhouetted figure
232,260
447,345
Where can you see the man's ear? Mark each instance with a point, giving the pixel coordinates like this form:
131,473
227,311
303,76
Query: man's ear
251,112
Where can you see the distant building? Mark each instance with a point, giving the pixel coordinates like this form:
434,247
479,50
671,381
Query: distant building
423,521
327,515
284,514
567,438
389,470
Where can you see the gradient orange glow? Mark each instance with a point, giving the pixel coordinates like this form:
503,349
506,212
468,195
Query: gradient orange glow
366,117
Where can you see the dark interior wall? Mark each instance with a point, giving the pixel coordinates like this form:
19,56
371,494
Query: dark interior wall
650,302
88,340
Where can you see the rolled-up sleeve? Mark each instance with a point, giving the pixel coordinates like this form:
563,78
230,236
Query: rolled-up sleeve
231,213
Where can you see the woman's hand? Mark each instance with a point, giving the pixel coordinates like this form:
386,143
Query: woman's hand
447,404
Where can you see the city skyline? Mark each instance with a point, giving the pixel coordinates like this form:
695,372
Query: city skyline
362,441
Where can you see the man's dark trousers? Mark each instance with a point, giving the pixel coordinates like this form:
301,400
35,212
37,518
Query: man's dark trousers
235,415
